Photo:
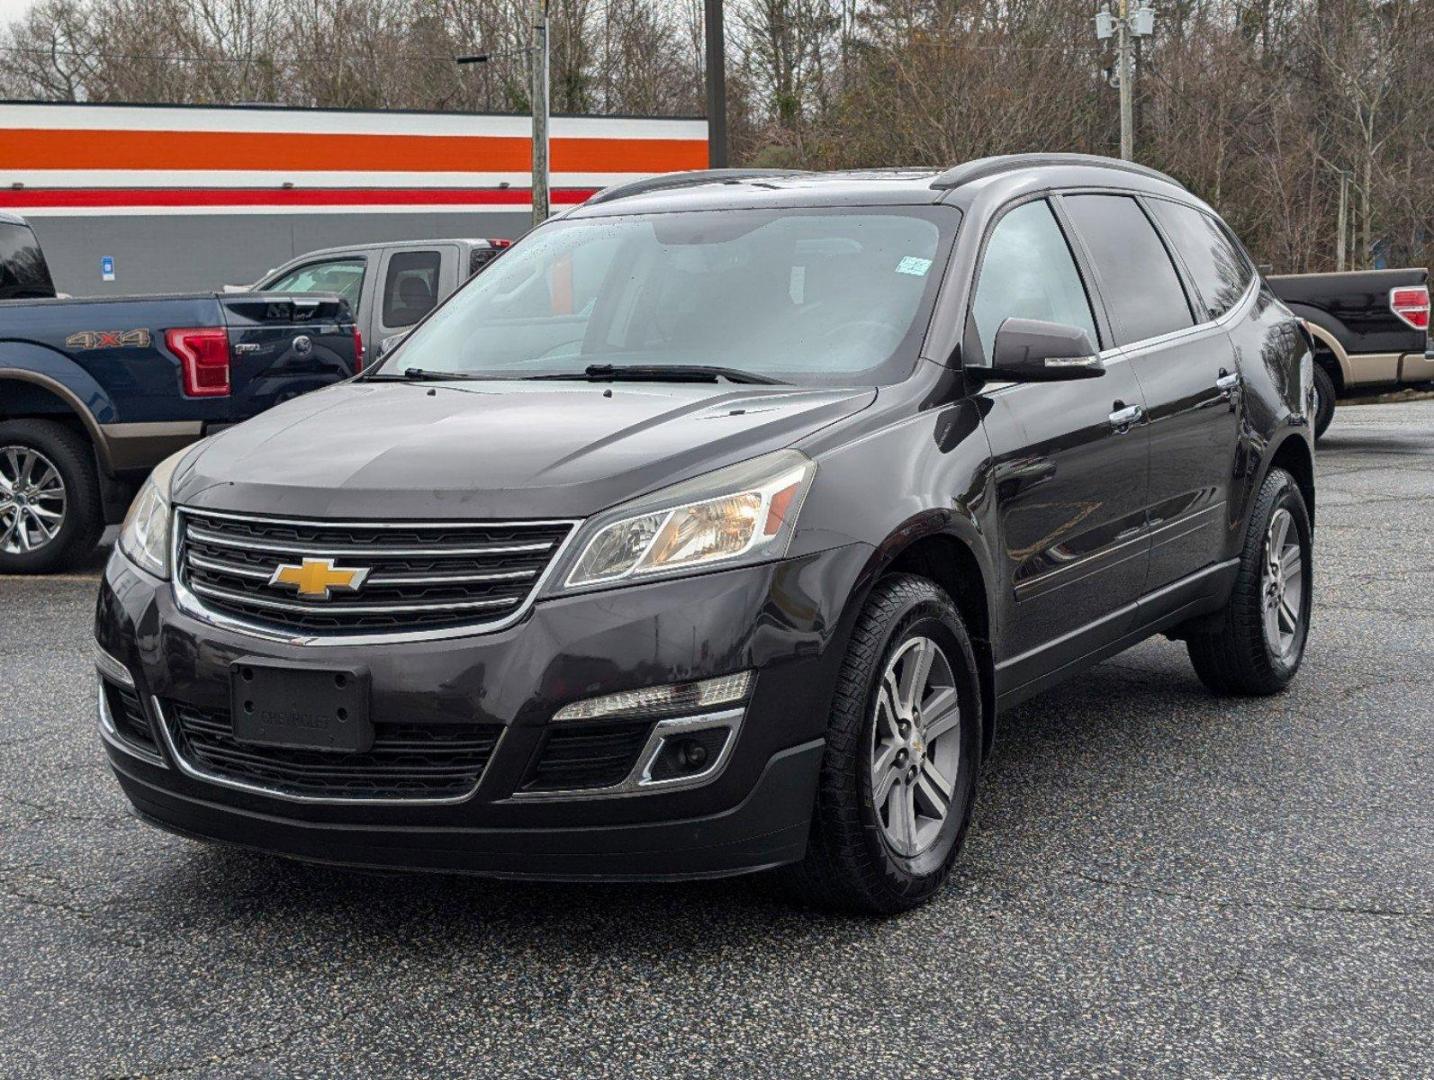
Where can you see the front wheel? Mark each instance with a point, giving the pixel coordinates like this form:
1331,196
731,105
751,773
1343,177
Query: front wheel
1259,643
903,748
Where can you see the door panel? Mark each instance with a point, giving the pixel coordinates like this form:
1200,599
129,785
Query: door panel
1070,492
1194,431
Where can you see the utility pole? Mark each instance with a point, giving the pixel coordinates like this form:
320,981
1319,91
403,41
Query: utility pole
1126,25
1339,248
538,92
1127,119
538,65
716,85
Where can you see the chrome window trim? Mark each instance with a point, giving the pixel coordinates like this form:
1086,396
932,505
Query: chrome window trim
195,773
639,781
189,603
110,734
1120,353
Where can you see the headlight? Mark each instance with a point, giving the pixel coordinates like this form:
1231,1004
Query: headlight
144,537
744,513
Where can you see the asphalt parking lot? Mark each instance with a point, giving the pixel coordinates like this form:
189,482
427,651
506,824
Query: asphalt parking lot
1158,883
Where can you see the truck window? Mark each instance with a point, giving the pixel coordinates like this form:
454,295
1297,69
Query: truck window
410,290
1028,273
1137,278
342,276
1219,268
23,272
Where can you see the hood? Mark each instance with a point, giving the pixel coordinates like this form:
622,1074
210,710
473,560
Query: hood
502,450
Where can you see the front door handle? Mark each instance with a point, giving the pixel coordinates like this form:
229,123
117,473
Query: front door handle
1228,382
1125,415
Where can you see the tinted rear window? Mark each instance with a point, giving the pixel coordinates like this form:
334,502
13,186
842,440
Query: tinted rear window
23,273
410,291
1219,268
1138,281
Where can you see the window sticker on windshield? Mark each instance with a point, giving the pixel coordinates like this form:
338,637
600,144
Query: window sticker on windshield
913,266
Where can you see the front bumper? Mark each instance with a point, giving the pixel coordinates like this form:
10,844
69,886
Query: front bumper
785,621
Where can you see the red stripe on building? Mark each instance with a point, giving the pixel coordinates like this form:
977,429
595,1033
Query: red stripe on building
105,198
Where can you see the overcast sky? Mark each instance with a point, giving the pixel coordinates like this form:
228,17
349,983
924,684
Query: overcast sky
9,9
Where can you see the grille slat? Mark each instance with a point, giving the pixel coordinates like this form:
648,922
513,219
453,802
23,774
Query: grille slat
586,756
420,576
128,717
406,760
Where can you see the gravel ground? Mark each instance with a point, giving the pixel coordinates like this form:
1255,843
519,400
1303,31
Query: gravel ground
1157,884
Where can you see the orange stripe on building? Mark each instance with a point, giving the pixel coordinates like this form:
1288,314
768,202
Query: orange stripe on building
30,148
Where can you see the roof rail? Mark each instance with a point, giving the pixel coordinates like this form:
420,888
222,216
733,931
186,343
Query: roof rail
994,166
668,181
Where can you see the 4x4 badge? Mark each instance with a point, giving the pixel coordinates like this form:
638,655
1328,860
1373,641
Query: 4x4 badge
316,578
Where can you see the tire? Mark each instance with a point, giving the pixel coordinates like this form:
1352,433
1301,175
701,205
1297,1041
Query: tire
55,467
853,863
1325,395
1239,657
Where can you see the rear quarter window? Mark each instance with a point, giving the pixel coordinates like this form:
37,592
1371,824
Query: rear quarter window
1219,268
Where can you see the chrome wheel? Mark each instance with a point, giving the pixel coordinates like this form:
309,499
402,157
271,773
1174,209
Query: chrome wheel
915,750
1282,584
32,500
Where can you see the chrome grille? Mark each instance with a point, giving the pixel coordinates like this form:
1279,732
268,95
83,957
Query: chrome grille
420,576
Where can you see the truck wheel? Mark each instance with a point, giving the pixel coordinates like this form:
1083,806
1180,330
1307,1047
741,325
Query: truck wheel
51,515
1260,641
1324,399
898,779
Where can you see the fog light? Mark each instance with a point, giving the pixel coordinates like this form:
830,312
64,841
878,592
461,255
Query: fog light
660,700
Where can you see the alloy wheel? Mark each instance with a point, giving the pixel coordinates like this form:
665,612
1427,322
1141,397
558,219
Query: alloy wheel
1282,584
915,750
32,500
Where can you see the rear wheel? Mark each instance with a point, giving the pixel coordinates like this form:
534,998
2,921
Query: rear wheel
1259,643
1324,399
50,510
903,747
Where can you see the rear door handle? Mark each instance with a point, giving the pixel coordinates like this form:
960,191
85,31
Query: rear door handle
1228,382
1125,415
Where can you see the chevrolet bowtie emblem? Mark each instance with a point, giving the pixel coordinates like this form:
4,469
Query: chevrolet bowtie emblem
316,578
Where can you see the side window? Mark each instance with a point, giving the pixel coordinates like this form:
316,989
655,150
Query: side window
1219,268
1028,273
342,276
23,273
410,288
1141,288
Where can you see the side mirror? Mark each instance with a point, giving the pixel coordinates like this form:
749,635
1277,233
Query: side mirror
1028,350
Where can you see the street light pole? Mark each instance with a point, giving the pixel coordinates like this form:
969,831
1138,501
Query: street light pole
716,85
538,91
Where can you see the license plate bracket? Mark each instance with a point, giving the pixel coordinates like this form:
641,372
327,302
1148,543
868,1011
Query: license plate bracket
276,703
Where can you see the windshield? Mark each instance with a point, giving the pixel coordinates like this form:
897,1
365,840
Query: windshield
342,276
803,296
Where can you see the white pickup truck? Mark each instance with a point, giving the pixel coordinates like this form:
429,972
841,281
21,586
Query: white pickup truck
389,286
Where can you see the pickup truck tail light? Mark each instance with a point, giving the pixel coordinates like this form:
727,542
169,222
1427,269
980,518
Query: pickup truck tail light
358,350
203,358
1411,304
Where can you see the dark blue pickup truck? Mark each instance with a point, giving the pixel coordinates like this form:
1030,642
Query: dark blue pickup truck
95,393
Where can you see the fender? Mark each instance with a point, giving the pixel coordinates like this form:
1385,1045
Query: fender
1324,336
68,381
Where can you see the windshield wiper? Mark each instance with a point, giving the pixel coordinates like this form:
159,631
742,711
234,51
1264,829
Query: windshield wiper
663,373
417,374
